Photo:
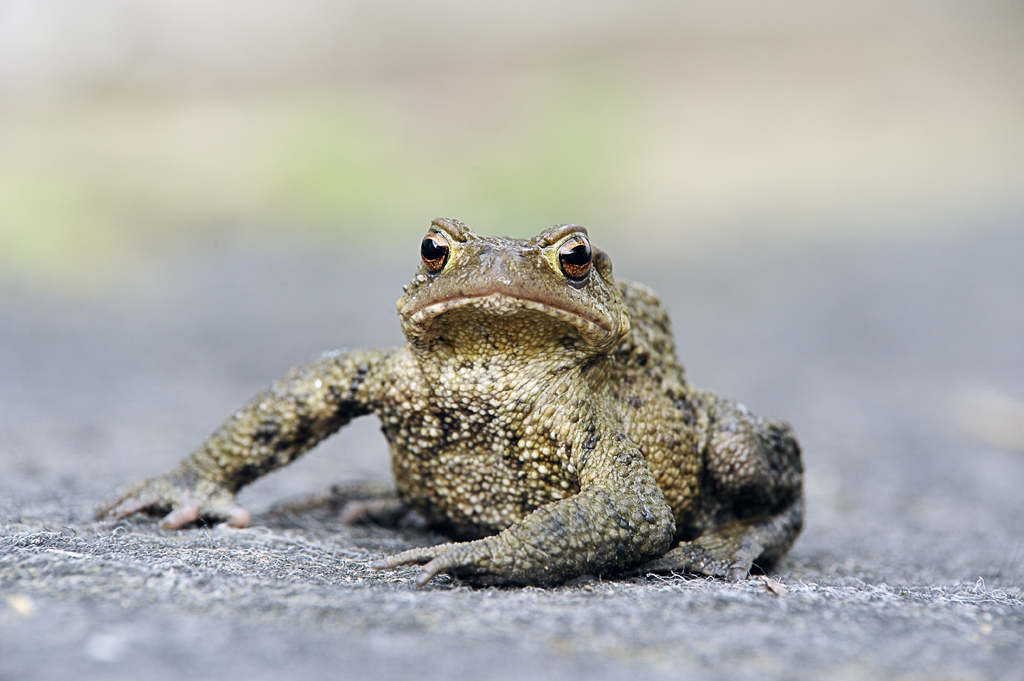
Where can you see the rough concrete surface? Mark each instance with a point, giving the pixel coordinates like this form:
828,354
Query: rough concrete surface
911,565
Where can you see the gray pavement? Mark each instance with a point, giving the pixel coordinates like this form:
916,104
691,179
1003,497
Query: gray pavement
911,565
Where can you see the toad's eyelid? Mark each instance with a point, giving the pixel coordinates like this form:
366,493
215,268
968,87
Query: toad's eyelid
556,235
450,239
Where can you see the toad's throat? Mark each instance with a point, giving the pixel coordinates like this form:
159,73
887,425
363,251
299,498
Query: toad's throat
471,340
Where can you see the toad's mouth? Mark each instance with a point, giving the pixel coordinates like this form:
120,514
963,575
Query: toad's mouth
427,321
501,303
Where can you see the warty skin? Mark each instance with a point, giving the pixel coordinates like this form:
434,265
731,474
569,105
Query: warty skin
538,411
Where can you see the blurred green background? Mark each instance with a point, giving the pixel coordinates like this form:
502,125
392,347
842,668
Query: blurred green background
136,131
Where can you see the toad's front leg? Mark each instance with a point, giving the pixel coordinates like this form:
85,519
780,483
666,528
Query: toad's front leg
618,519
272,430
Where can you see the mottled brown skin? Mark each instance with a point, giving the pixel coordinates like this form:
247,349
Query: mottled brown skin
545,419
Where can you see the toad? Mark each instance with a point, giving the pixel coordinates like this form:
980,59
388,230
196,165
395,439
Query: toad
537,413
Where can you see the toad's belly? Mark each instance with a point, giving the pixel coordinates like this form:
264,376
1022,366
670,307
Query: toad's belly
473,491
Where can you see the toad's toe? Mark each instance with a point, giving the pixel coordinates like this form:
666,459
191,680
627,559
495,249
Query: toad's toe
187,512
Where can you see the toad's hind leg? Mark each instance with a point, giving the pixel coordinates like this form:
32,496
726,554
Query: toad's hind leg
754,495
358,503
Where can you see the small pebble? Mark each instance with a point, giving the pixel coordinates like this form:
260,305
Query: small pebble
21,605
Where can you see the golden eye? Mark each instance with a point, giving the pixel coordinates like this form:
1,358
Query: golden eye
434,250
575,257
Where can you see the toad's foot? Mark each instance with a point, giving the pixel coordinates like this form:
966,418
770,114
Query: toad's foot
358,502
499,559
383,511
480,561
183,503
471,559
725,554
435,558
731,550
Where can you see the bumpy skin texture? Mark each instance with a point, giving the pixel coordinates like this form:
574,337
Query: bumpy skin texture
542,417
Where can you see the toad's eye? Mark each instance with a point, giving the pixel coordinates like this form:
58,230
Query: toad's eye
434,250
575,257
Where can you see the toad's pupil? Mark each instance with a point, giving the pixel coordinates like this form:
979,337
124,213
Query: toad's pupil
432,250
575,258
578,255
